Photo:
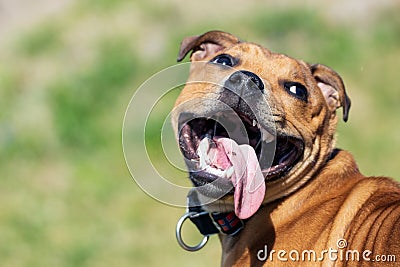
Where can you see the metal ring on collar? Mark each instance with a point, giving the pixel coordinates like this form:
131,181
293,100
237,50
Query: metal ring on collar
179,235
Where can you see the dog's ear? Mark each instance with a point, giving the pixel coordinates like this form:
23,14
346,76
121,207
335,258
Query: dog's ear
205,45
332,88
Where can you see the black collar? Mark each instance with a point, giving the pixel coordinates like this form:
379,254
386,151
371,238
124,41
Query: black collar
209,223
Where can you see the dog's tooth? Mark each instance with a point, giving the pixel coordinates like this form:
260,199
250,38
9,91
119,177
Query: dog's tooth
202,151
205,161
215,171
223,174
229,172
267,136
204,146
254,123
202,162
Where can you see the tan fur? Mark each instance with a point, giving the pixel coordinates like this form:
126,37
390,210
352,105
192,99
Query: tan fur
324,197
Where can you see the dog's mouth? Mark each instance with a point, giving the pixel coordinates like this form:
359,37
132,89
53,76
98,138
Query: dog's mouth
276,154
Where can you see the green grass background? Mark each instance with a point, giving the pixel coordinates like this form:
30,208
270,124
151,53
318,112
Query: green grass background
67,198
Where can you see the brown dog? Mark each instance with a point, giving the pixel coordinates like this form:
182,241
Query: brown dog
312,206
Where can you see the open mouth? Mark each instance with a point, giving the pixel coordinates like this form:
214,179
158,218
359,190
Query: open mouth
276,155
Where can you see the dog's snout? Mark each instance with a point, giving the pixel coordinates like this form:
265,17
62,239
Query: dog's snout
246,79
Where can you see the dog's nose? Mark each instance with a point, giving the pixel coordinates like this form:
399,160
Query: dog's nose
245,79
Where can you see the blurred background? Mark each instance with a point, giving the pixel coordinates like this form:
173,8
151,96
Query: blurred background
68,69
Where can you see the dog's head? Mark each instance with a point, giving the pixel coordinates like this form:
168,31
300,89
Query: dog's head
241,93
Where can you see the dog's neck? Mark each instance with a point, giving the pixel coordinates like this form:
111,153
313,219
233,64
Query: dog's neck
273,221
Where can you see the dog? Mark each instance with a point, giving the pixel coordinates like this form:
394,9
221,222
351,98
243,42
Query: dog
301,200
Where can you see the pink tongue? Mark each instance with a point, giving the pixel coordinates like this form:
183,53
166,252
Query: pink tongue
247,178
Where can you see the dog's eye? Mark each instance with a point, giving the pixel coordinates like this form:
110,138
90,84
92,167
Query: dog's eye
296,89
224,59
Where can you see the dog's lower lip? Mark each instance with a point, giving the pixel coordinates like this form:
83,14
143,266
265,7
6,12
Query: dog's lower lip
220,185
